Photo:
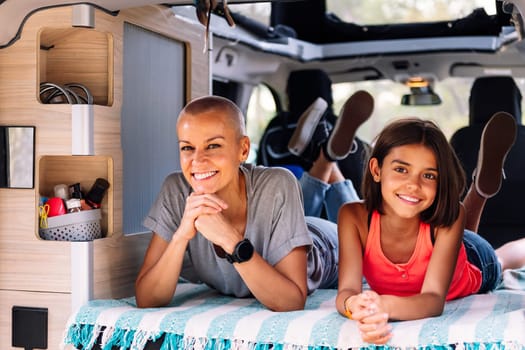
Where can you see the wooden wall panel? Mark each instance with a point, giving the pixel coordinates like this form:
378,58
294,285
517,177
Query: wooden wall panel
116,265
31,268
27,263
58,306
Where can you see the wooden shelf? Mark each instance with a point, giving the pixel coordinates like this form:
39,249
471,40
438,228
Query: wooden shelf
78,55
53,170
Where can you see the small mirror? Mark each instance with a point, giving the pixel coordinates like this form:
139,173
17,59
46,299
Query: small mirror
421,96
17,156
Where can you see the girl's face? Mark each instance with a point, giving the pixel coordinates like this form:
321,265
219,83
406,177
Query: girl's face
409,179
210,151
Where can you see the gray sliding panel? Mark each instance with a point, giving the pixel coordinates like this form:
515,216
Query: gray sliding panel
153,94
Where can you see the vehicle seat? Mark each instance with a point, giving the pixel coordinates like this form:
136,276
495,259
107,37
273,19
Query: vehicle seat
503,218
303,87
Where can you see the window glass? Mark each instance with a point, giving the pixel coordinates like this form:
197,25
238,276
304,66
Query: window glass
450,115
403,11
382,11
261,109
259,11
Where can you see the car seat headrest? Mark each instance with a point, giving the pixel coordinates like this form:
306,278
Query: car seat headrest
303,87
489,95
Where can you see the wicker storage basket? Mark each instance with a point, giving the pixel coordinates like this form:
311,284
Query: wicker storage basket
80,226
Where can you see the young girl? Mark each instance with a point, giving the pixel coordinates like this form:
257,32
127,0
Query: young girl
407,237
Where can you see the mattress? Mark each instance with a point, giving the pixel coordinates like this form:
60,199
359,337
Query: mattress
200,318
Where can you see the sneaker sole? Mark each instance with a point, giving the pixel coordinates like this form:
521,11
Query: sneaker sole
356,110
306,126
498,137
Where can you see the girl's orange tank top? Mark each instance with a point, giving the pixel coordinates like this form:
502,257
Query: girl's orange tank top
385,277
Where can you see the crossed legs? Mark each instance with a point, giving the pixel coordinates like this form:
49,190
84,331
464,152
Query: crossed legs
316,141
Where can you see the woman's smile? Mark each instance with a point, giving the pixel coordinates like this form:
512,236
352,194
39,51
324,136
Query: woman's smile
199,176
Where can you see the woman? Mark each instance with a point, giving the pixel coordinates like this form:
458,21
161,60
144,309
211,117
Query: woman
236,227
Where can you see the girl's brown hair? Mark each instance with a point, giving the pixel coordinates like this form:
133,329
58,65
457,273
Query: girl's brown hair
451,178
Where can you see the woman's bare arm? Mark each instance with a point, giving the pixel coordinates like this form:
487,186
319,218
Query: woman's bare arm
157,279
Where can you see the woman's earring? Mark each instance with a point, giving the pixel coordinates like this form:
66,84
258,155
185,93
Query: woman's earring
377,178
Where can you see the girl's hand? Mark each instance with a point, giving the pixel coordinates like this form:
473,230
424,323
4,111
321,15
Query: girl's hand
197,205
368,311
375,329
364,304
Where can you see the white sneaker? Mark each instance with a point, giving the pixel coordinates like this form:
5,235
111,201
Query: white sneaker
306,126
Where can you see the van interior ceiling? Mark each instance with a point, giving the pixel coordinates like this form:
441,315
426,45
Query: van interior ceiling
302,35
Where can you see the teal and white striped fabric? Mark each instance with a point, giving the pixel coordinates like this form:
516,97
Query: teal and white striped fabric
199,318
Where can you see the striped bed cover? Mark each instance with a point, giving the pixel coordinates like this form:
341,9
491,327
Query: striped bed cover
200,318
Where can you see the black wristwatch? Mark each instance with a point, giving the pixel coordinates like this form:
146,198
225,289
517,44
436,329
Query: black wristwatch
243,252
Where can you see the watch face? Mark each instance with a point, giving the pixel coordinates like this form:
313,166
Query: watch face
244,250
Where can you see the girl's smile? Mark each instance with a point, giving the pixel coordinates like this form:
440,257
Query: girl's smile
409,199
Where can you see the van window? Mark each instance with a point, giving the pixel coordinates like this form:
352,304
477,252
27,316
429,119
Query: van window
382,11
450,115
261,109
402,11
259,11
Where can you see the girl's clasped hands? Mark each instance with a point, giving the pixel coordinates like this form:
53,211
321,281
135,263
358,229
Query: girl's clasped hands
366,308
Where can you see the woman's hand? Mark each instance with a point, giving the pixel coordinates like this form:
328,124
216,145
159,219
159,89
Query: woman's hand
197,205
218,230
368,311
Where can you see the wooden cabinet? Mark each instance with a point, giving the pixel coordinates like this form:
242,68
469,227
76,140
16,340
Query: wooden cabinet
60,275
53,170
78,55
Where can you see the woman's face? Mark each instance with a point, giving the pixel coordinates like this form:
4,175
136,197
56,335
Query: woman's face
210,151
409,179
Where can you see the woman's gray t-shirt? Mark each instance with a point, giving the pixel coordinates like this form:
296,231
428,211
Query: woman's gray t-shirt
275,225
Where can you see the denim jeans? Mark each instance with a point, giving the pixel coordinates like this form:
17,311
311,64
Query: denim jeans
482,254
323,259
317,194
